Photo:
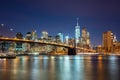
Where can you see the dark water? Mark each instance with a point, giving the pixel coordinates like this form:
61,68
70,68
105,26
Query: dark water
60,68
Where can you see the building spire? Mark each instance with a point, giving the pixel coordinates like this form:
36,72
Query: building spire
77,21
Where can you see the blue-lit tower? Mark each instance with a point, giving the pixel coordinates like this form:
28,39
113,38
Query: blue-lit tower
77,32
66,39
61,36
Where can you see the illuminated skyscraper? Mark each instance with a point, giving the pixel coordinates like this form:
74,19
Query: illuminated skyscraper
34,35
50,38
85,39
66,39
57,39
28,36
108,41
77,33
19,35
61,36
44,34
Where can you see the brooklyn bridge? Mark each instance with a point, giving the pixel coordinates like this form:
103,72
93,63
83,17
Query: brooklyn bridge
21,46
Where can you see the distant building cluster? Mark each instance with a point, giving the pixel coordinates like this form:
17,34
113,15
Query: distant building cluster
31,35
81,40
82,37
109,43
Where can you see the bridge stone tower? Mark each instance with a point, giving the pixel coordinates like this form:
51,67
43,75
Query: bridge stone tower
71,51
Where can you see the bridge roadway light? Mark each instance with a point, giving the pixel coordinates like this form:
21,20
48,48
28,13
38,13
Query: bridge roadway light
6,38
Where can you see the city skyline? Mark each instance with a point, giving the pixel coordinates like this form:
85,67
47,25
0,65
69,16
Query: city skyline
60,16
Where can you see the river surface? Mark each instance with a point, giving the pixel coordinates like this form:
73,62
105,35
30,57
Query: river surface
43,67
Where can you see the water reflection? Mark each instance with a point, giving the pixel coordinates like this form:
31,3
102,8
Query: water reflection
80,67
114,67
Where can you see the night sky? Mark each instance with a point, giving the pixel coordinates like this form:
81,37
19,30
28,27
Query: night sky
56,16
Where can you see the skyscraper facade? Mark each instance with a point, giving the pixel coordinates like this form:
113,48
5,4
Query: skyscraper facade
19,35
77,33
44,34
28,36
108,41
85,39
57,39
66,39
61,36
34,35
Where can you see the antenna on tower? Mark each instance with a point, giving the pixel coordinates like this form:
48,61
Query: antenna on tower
77,21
